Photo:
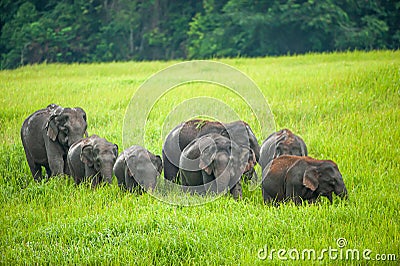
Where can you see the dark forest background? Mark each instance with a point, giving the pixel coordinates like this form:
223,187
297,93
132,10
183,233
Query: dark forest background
118,30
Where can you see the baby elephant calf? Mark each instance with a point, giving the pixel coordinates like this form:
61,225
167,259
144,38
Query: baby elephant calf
137,166
302,178
92,157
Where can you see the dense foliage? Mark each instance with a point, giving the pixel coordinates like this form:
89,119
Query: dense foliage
116,30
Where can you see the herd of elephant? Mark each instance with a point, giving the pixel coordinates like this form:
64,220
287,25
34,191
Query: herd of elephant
201,156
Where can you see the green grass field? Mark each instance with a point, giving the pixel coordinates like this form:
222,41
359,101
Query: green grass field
346,106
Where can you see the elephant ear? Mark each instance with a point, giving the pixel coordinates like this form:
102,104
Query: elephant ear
269,148
52,106
82,112
250,159
115,150
281,137
87,155
310,178
52,130
303,146
206,158
126,158
128,172
52,124
327,170
157,162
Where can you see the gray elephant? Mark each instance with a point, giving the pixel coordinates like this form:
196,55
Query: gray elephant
281,143
176,141
214,163
301,178
137,166
92,157
47,134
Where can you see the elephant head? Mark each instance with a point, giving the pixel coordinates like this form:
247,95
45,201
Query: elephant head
301,178
283,142
182,135
241,133
324,178
289,144
99,155
143,167
66,125
223,161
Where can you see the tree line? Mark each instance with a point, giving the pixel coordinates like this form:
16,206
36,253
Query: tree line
69,31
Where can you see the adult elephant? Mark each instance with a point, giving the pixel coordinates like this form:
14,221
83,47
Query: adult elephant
213,163
47,135
179,137
283,142
92,157
301,178
137,166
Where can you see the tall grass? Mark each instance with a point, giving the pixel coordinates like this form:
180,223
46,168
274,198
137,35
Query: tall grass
344,105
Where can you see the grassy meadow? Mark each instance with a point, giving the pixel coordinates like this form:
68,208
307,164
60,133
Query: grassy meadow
346,107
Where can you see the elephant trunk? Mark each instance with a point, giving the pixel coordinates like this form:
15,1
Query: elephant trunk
106,173
72,139
147,177
222,182
342,192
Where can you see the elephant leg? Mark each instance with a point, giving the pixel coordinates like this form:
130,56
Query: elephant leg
55,157
77,180
210,184
36,170
294,193
222,184
90,172
170,170
207,178
121,184
48,171
312,201
267,198
96,180
67,171
130,183
56,166
297,200
120,172
184,181
236,191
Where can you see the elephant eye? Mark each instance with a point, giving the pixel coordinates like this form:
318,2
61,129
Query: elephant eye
332,182
64,129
